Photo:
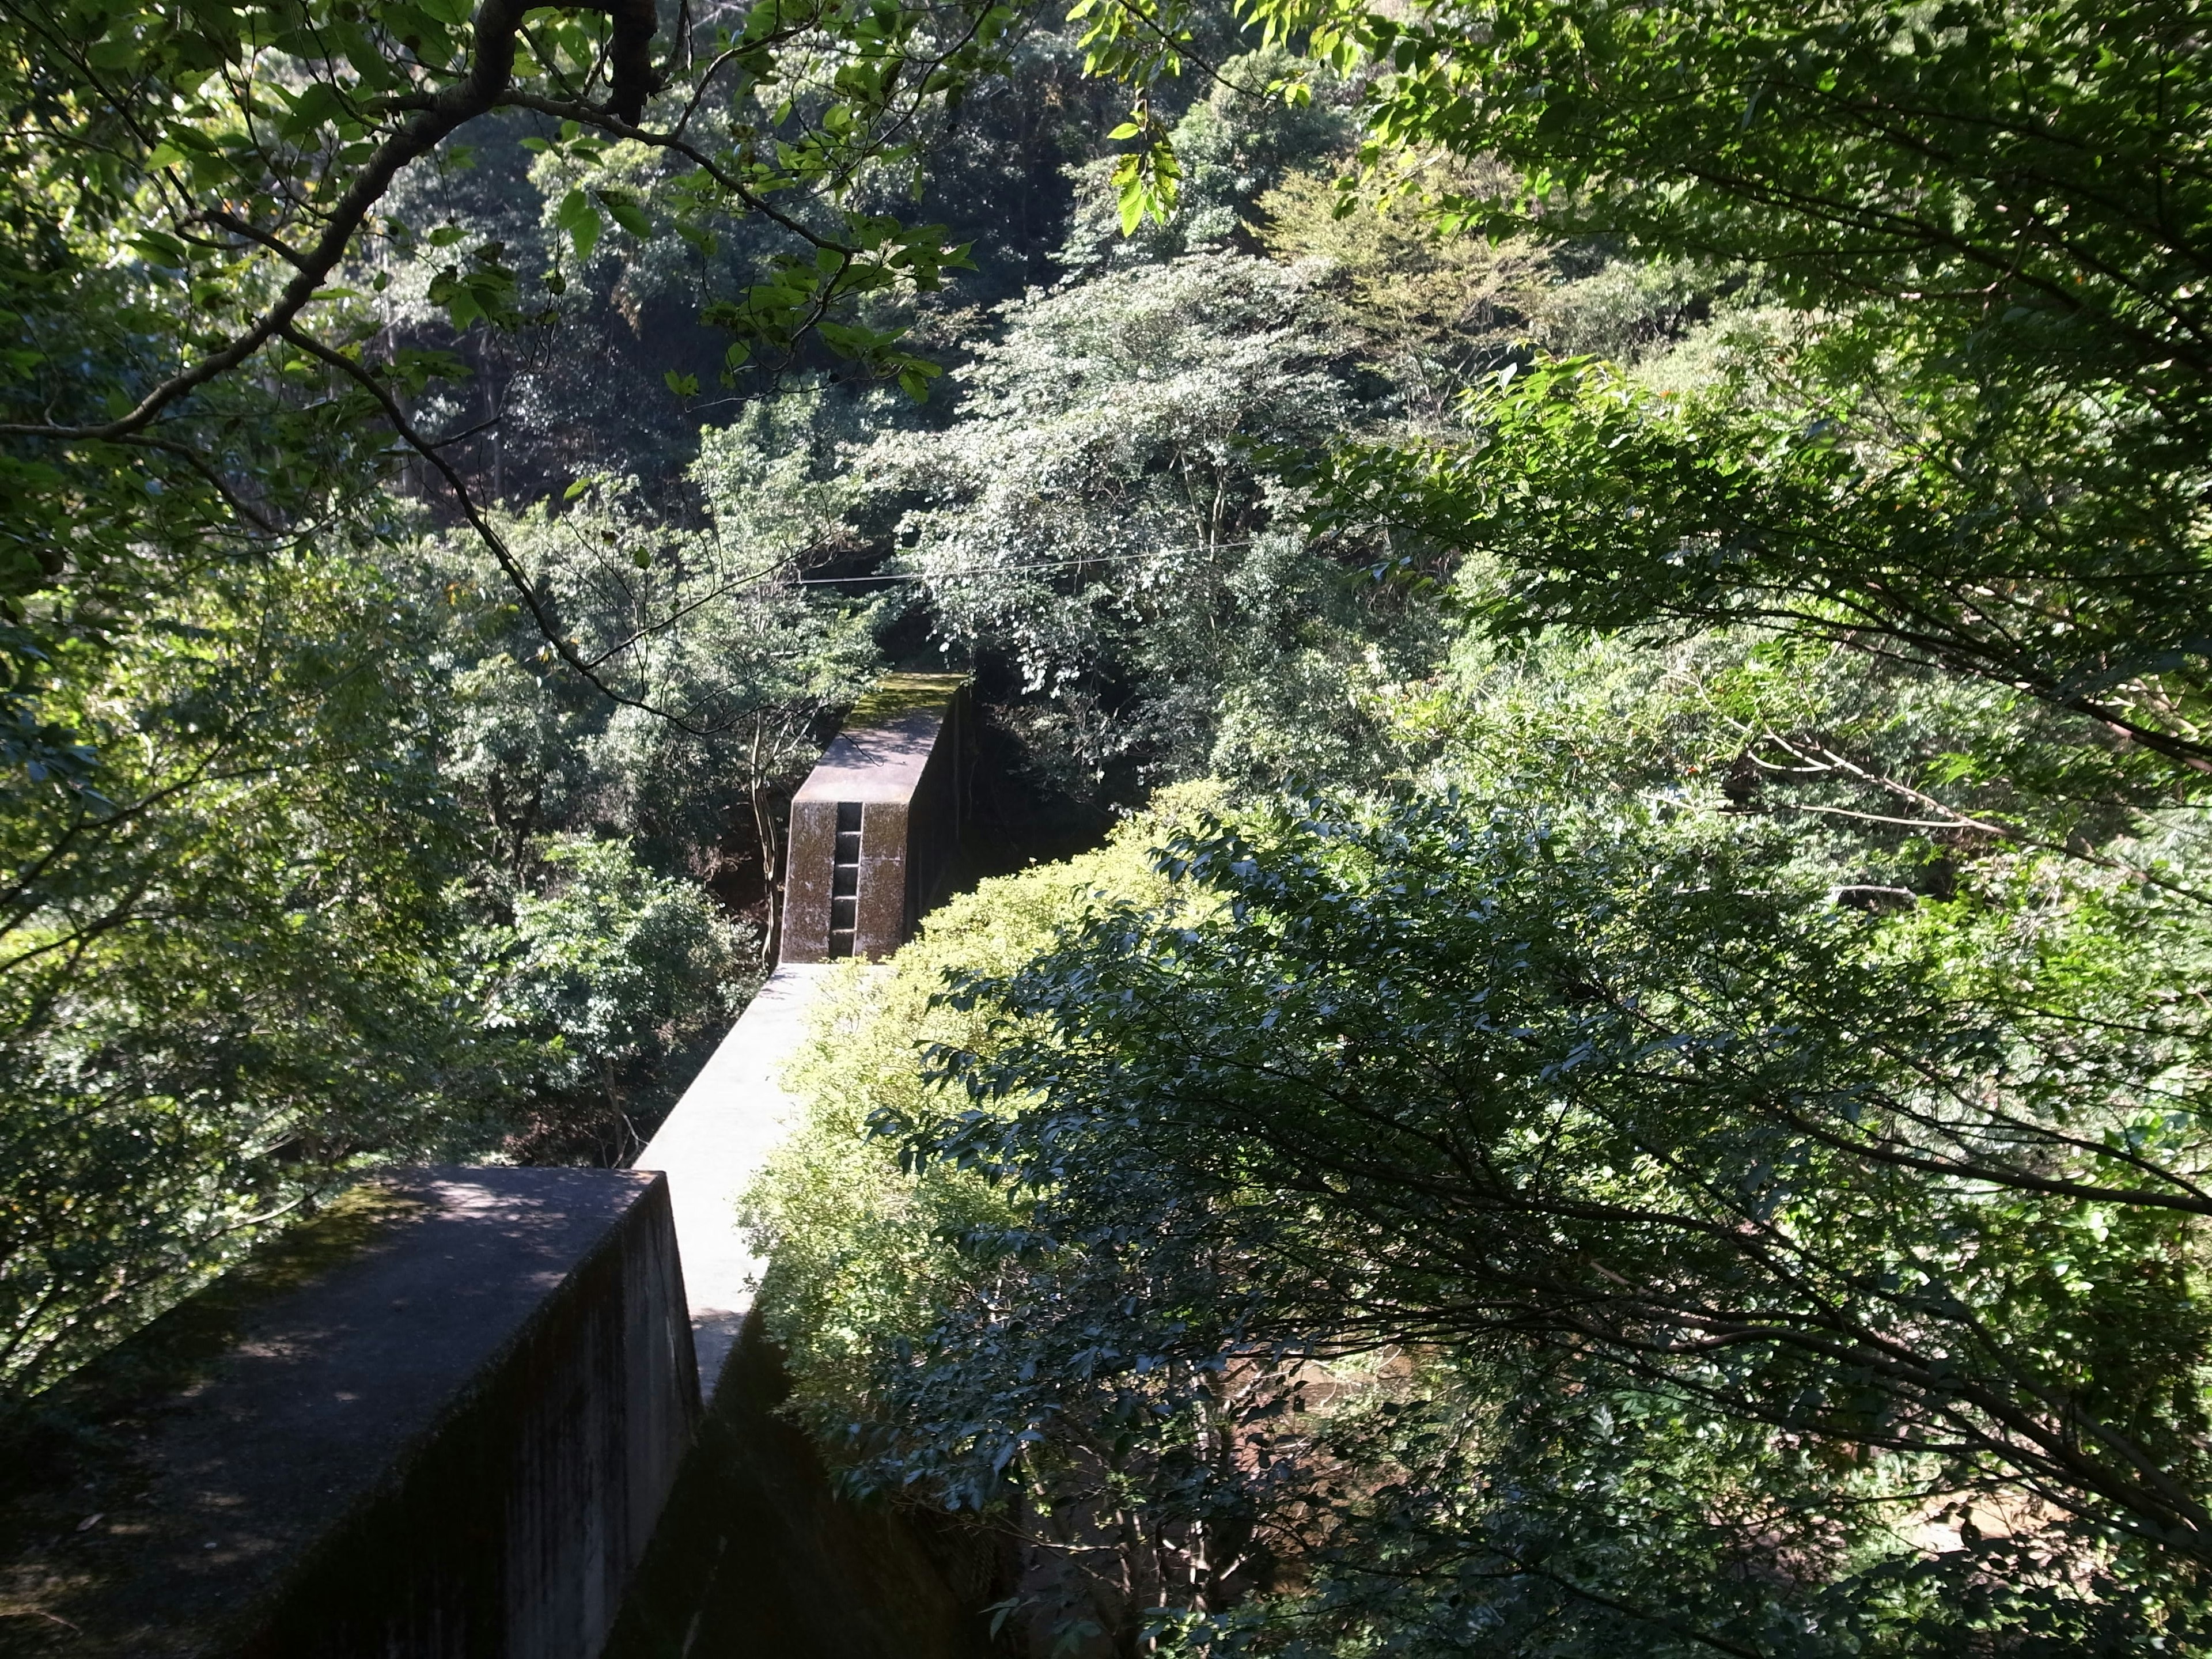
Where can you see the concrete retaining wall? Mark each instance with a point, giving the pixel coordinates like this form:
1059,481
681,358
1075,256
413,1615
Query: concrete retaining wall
443,1421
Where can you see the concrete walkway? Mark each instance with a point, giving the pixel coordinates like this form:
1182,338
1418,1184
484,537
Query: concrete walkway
756,1553
713,1145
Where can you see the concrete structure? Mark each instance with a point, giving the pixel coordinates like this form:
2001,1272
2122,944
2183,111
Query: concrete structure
758,1554
442,1420
875,828
874,831
713,1145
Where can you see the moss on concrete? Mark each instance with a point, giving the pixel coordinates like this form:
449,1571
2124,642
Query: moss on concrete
447,1410
895,694
175,1349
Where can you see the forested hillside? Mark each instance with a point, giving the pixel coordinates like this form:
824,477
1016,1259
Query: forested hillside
1631,583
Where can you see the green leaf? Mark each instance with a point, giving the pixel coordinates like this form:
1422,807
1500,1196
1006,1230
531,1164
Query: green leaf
577,217
627,212
162,248
316,105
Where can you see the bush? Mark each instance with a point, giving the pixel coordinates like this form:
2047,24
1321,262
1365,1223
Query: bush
863,1251
606,978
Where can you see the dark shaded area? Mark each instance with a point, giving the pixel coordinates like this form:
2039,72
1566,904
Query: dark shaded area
1015,818
758,1554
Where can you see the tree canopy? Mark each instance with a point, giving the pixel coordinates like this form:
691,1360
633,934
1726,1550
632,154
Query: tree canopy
1632,1077
1698,1147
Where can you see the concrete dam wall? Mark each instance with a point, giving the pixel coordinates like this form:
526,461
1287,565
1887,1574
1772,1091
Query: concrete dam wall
516,1414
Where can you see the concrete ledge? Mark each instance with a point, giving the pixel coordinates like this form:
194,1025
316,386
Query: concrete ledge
439,1421
716,1141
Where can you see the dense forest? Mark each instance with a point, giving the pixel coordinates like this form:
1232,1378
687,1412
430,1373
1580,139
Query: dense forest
1594,630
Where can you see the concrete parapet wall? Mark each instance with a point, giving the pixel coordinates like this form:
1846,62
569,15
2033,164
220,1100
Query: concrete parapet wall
441,1421
714,1144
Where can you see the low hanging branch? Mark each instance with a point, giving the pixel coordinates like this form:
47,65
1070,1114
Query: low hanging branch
338,101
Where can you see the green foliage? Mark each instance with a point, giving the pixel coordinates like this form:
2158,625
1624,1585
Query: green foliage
861,1250
1433,309
1346,1297
1715,1161
201,187
1691,1142
220,980
608,976
291,908
727,665
282,773
2043,560
1230,148
1606,1095
1978,436
1101,525
2032,190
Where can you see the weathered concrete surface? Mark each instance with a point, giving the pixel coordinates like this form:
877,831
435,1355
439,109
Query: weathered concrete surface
896,774
442,1422
757,1555
713,1144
